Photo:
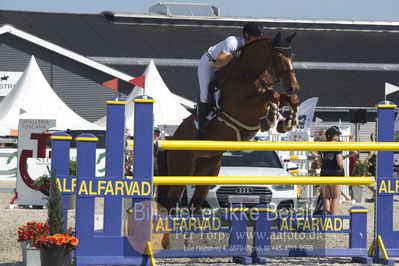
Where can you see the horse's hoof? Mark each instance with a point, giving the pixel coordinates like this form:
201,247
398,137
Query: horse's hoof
264,126
288,125
274,106
272,122
280,127
166,241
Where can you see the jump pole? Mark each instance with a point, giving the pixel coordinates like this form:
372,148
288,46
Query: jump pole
256,180
279,146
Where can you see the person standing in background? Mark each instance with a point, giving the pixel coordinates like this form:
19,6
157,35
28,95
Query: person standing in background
372,159
331,163
157,136
128,154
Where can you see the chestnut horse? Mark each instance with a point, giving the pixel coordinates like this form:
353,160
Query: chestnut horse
247,96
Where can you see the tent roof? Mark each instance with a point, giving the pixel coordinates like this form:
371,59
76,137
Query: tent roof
33,98
168,112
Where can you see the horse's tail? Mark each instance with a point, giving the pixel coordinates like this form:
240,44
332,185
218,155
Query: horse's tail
162,163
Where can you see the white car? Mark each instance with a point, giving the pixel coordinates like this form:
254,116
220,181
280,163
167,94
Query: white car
250,163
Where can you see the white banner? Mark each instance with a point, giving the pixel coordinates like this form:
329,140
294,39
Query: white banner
306,113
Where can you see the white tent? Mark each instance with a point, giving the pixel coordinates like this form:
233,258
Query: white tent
33,98
168,112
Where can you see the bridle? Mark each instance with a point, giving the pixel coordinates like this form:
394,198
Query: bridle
279,74
265,84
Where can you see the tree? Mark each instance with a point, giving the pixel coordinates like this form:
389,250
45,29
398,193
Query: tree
55,209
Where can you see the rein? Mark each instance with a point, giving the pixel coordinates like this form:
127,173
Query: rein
276,78
264,83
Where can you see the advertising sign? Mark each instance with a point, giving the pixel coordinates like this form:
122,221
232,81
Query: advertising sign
8,81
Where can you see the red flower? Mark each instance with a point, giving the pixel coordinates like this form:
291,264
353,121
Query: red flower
32,230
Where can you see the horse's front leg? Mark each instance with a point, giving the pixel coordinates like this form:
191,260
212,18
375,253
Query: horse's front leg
292,120
272,112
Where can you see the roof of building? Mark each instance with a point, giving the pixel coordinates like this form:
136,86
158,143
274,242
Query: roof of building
344,63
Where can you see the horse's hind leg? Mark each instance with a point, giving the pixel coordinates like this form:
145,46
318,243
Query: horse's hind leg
205,167
180,163
162,166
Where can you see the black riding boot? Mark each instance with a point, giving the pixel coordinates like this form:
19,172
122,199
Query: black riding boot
202,112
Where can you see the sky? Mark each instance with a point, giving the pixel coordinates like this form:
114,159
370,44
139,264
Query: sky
359,10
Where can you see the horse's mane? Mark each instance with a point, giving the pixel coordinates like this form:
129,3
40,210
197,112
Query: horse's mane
259,39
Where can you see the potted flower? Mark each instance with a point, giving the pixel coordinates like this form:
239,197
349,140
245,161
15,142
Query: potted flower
27,235
360,192
55,248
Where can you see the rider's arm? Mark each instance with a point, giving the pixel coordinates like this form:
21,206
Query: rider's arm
230,44
223,59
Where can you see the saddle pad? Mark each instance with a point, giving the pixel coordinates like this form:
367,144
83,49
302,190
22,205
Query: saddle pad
209,117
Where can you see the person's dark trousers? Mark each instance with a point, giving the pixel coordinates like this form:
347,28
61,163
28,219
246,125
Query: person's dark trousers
202,112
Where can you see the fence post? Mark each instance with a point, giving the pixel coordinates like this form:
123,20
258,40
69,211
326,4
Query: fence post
384,203
143,166
358,234
114,162
60,145
262,234
238,234
86,168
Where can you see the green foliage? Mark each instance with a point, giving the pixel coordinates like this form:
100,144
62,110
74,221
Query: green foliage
14,155
41,181
100,157
72,167
55,210
362,168
396,136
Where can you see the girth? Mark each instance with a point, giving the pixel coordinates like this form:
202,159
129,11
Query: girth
240,128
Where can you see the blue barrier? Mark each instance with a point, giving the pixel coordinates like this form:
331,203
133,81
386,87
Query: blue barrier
110,246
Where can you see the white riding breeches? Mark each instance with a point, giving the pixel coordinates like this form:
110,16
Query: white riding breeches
206,71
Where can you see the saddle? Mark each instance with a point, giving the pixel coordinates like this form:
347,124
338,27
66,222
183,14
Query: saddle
214,107
214,93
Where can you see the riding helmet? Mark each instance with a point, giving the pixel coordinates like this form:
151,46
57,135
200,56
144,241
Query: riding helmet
252,29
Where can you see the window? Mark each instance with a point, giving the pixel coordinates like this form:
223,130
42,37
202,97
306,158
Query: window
251,159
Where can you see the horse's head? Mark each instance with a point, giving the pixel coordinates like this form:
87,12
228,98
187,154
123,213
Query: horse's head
282,59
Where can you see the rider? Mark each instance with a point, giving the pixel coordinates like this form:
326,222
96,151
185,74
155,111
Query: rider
214,59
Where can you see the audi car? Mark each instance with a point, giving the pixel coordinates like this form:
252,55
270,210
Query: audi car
250,163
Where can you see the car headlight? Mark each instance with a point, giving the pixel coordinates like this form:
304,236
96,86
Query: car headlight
283,187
